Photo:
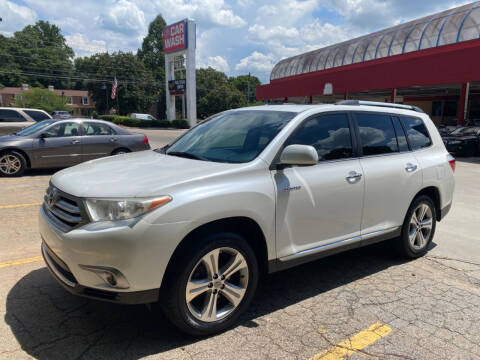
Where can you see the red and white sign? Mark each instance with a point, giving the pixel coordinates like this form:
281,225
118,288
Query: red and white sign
175,37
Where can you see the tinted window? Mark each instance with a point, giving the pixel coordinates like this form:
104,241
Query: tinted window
329,134
377,135
10,116
234,136
417,132
402,139
97,129
64,130
36,115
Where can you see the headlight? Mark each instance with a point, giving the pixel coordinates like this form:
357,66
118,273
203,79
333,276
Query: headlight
122,209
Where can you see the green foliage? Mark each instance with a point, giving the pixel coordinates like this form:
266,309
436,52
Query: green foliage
215,93
136,93
153,57
242,82
180,124
38,49
132,122
42,99
94,114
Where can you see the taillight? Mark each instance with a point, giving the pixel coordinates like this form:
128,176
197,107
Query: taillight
145,140
452,162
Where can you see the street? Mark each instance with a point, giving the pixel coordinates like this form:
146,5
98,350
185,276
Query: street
360,304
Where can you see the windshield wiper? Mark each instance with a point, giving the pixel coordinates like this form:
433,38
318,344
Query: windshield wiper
187,155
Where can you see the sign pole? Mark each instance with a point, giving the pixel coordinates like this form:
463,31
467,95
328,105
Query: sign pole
191,75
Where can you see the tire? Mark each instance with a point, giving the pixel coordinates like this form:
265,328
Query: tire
12,164
120,151
415,238
192,314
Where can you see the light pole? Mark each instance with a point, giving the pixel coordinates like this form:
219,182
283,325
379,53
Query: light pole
104,87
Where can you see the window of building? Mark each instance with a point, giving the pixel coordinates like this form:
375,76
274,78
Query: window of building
84,100
417,133
69,100
329,134
377,135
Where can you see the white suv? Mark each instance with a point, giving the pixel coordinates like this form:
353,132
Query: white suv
250,191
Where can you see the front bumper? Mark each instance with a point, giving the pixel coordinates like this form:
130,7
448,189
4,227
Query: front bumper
140,253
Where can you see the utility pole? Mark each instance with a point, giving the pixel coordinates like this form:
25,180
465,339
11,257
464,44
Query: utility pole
248,89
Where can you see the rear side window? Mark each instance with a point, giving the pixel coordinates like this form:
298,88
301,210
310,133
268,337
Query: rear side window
36,115
416,132
402,139
377,135
7,115
329,134
97,129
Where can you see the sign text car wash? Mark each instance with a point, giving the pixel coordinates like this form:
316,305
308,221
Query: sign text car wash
178,41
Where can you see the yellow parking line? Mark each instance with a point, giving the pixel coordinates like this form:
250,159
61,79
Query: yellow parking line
357,342
12,206
20,261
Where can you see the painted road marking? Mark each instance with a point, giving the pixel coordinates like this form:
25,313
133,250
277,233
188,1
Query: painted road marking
20,261
357,342
13,206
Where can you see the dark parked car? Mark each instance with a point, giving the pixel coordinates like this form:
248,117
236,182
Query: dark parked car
464,141
62,143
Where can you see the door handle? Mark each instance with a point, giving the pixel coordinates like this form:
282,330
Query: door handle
113,139
353,177
410,167
75,141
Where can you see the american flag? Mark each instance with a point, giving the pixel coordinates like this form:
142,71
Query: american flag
114,87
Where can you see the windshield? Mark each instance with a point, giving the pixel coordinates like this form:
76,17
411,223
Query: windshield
234,136
465,131
34,128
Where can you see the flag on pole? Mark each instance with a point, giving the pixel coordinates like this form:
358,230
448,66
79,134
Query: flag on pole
114,88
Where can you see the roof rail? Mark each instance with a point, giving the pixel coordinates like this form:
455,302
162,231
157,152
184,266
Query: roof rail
381,104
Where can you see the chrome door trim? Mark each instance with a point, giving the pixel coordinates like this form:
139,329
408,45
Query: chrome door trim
319,249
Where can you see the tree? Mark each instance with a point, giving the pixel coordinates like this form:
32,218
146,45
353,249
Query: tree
215,93
42,99
136,88
153,57
38,55
246,84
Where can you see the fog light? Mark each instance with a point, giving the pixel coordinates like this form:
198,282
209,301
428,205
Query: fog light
112,277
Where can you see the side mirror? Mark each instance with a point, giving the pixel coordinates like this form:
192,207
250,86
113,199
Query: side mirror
299,155
44,135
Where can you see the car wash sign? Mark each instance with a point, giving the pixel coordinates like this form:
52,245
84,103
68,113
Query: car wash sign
175,37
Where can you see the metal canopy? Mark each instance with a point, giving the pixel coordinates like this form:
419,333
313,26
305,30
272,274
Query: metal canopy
447,27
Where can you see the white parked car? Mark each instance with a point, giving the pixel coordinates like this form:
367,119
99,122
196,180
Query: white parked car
15,119
249,191
147,117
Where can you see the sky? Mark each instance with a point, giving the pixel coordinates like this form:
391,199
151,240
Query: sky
236,36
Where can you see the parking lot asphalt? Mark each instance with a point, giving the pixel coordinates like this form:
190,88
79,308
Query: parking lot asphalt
360,304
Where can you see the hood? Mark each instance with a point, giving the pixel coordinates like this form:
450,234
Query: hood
8,138
138,174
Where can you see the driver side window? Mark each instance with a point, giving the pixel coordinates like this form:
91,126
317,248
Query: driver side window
64,130
329,134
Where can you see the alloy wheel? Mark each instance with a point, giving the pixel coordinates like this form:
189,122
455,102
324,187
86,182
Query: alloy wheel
10,164
420,227
217,284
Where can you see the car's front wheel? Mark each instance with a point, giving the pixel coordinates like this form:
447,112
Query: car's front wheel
12,164
211,285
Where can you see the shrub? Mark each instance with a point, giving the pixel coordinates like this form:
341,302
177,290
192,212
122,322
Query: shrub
180,124
107,117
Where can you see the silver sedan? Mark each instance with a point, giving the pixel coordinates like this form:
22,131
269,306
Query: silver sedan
63,143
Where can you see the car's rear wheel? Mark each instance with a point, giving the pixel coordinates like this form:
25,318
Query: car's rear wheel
418,228
12,164
207,292
120,151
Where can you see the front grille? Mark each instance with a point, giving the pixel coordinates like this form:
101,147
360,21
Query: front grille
64,210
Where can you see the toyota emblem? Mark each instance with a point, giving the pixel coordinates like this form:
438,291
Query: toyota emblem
52,196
